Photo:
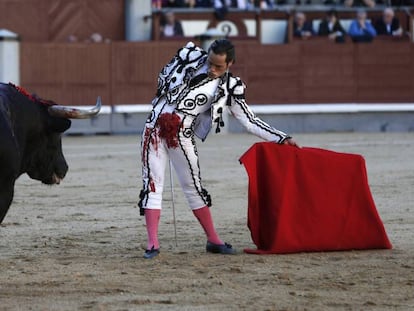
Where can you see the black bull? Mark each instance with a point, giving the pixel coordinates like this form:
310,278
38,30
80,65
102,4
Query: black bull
30,139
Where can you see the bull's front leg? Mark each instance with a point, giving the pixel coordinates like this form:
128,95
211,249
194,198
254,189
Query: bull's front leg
6,197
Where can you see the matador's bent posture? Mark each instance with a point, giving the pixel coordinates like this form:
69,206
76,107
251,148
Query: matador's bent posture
193,90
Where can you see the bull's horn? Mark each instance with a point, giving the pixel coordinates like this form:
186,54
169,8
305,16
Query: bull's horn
75,113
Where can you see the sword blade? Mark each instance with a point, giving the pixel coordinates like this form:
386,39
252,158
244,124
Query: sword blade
173,203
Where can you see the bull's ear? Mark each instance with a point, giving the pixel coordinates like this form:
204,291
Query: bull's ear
59,124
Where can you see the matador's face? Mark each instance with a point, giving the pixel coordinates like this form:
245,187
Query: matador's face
217,65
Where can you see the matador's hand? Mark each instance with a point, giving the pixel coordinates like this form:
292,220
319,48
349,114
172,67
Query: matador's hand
291,142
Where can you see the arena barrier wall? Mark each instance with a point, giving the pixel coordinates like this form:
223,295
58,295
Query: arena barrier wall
313,72
125,73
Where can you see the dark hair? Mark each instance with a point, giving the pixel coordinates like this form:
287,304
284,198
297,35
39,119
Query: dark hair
224,46
332,12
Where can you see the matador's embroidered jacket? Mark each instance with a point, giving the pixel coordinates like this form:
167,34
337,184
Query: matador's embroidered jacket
176,77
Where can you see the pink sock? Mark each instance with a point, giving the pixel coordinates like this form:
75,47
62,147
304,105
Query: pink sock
152,218
204,217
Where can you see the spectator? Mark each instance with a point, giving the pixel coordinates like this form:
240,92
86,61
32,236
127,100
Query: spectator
236,4
261,4
361,30
359,3
221,7
388,25
301,27
179,3
297,2
170,27
402,2
331,27
218,4
158,4
239,4
203,3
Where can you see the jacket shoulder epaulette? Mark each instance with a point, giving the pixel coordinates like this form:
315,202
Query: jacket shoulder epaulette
236,87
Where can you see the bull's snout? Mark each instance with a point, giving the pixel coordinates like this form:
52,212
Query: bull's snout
56,179
57,174
60,172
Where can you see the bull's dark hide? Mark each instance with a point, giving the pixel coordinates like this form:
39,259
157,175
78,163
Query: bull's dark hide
30,142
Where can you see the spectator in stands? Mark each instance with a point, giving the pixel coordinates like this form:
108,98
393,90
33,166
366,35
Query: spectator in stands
331,27
359,3
158,4
221,8
361,30
262,4
203,3
240,4
179,3
170,26
301,27
222,4
225,4
388,25
402,2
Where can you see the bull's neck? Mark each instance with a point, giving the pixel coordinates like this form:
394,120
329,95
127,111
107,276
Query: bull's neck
28,124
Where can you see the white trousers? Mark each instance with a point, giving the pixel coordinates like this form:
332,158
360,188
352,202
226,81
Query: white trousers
155,154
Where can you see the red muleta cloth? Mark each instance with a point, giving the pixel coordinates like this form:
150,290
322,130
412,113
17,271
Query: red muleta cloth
309,199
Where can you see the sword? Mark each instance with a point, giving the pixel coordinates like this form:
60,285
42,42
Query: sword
173,203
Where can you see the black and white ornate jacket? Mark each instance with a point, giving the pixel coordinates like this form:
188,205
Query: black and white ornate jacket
183,87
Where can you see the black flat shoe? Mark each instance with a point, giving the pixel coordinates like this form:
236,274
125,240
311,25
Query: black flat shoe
151,253
225,248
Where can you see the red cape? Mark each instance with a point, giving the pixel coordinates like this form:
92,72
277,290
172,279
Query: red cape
309,199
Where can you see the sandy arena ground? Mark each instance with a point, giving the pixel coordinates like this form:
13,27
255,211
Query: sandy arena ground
78,246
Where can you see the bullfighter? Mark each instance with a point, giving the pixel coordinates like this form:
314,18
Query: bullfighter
193,90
